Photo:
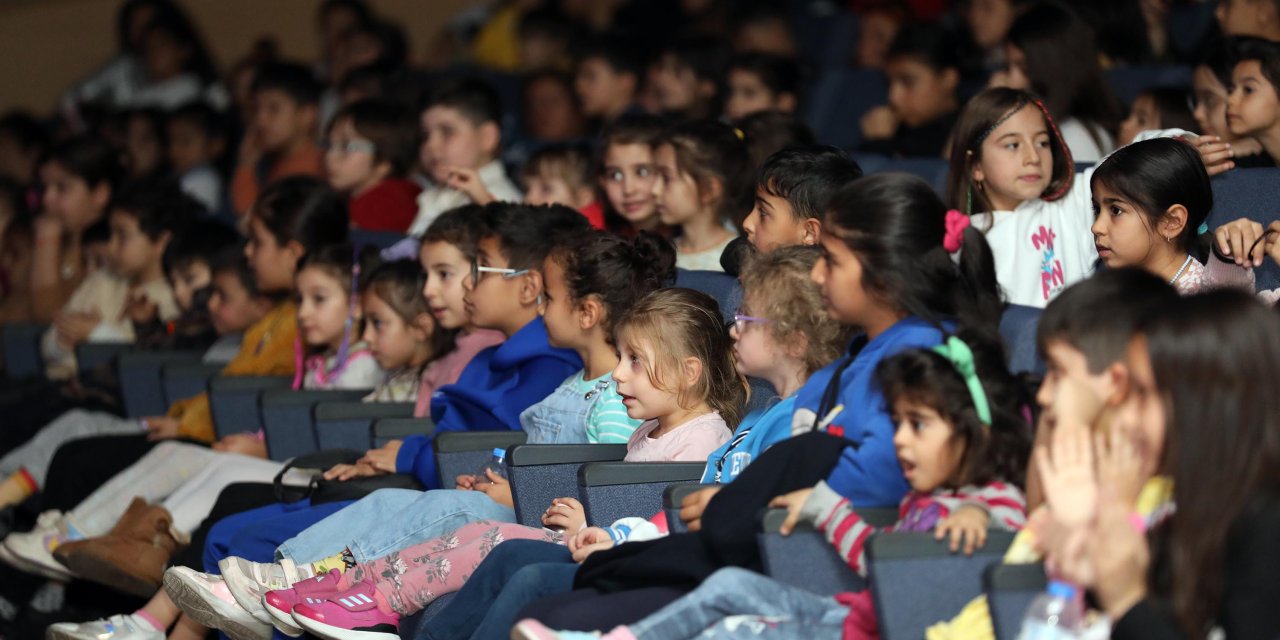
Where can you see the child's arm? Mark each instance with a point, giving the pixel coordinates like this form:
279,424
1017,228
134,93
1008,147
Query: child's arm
834,516
468,182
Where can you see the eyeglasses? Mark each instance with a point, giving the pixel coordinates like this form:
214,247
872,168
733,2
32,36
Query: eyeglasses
349,147
507,274
740,321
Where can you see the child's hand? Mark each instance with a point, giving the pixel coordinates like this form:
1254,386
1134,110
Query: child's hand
242,443
1236,238
382,459
496,487
967,524
344,472
1066,475
468,182
73,327
1119,557
589,541
140,309
694,504
1217,155
47,228
880,123
1272,244
1119,467
250,147
161,428
464,482
565,514
1075,406
792,502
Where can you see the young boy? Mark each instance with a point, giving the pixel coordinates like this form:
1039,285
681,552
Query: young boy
607,79
370,149
197,138
189,262
562,174
761,82
1253,105
462,135
792,193
281,138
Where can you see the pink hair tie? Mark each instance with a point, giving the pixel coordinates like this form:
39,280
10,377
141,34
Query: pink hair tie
956,224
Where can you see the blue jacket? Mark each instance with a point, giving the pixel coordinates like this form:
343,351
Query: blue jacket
495,387
868,473
758,431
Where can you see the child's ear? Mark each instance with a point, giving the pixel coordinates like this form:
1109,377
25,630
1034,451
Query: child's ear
583,196
811,234
422,327
975,168
490,138
1115,381
382,170
295,249
310,115
710,191
692,371
797,346
1173,222
162,241
786,102
531,290
590,313
950,79
101,195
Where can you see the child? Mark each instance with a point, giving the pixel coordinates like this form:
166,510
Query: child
145,144
627,173
1012,173
1221,149
924,73
281,139
792,193
561,174
550,110
330,322
961,439
703,187
1159,108
607,79
402,336
462,136
761,82
989,22
686,78
1253,107
878,24
369,151
767,132
197,140
1244,18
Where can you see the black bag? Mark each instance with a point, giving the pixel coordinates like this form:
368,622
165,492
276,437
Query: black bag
322,491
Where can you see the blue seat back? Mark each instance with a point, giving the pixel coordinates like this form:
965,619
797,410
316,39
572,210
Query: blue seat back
185,380
1010,589
721,286
1018,330
387,429
1249,193
919,582
463,452
932,170
541,473
22,357
234,401
379,239
824,32
288,423
672,496
805,559
141,382
1128,82
91,355
838,100
613,490
348,424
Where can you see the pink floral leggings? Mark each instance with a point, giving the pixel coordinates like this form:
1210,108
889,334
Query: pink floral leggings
409,579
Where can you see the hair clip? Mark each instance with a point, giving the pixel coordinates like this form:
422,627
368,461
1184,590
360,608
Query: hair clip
956,223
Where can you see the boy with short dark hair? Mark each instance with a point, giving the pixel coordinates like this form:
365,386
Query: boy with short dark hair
607,78
792,192
281,139
197,138
368,153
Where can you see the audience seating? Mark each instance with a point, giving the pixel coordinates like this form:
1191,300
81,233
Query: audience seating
233,401
385,430
540,473
379,239
1128,82
142,382
838,100
22,355
805,559
287,421
1248,193
183,380
348,424
91,355
1018,330
721,286
672,496
933,170
1010,589
463,452
613,490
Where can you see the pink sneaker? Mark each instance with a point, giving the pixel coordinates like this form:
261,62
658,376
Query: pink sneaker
280,603
350,615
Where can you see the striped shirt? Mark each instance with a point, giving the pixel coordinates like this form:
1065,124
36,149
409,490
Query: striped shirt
607,422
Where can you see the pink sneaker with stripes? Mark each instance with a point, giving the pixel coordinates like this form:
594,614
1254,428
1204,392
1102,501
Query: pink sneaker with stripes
350,615
280,602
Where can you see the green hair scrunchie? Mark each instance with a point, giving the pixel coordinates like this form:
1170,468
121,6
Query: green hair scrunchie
961,358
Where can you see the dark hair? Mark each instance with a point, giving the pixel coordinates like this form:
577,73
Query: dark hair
547,22
158,205
1157,174
399,284
807,177
378,79
995,452
766,132
340,261
933,45
894,223
706,57
303,209
1222,450
1173,106
291,79
98,232
1120,30
525,231
570,160
155,120
779,74
633,128
1098,316
680,323
617,271
460,227
711,150
1220,59
124,19
1062,64
25,129
978,120
475,99
616,50
232,260
204,117
358,7
390,38
89,158
392,129
200,242
1265,52
179,28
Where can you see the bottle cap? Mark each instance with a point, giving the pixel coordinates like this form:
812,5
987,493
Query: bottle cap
500,453
1062,589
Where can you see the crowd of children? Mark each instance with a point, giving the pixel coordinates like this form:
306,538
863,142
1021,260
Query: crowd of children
352,226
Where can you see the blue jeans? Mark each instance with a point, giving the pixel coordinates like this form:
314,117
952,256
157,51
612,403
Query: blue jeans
389,520
737,603
255,534
514,574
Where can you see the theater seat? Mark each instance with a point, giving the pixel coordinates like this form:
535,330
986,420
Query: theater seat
234,401
462,452
1018,331
540,473
805,559
1010,589
1248,193
349,423
142,380
22,356
613,490
721,286
288,424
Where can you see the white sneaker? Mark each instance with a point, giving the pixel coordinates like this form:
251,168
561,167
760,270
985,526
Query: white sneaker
32,551
206,599
119,627
250,581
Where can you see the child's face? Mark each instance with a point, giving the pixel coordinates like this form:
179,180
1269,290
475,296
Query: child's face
676,84
187,279
1238,17
97,255
447,268
1142,116
772,224
754,348
1141,415
601,89
393,341
1121,231
279,121
643,399
132,253
554,190
143,145
838,274
349,161
674,190
989,21
550,112
917,92
1067,367
69,198
1211,104
273,265
628,181
748,95
323,307
876,32
1016,68
231,308
452,140
163,56
926,448
494,298
559,310
1017,160
189,146
1252,106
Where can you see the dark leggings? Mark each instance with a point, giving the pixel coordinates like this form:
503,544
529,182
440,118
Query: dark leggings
81,466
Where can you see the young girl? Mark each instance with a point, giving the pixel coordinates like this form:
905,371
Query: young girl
400,333
627,173
1159,108
705,187
1149,200
761,82
145,144
686,77
561,174
330,354
962,441
924,73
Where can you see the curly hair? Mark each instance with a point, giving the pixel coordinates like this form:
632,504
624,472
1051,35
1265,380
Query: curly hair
776,286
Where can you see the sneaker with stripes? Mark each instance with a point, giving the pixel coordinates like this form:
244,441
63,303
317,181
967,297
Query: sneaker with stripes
350,615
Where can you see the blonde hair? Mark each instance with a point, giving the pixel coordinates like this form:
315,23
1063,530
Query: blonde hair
674,324
778,282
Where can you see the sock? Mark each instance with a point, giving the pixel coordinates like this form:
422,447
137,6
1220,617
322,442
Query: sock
341,562
619,633
142,615
16,488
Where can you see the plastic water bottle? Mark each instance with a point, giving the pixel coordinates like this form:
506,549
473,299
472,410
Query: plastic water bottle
1055,614
497,463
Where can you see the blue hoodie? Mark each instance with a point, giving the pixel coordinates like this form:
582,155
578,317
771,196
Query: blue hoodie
868,473
760,430
495,387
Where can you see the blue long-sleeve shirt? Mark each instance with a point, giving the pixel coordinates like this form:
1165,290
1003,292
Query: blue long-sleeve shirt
499,383
758,431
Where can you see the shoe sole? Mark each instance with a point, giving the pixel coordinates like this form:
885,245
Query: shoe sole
283,621
522,631
330,632
254,607
22,564
211,615
96,569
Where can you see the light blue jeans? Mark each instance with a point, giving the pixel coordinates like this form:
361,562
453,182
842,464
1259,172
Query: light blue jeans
389,520
737,603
